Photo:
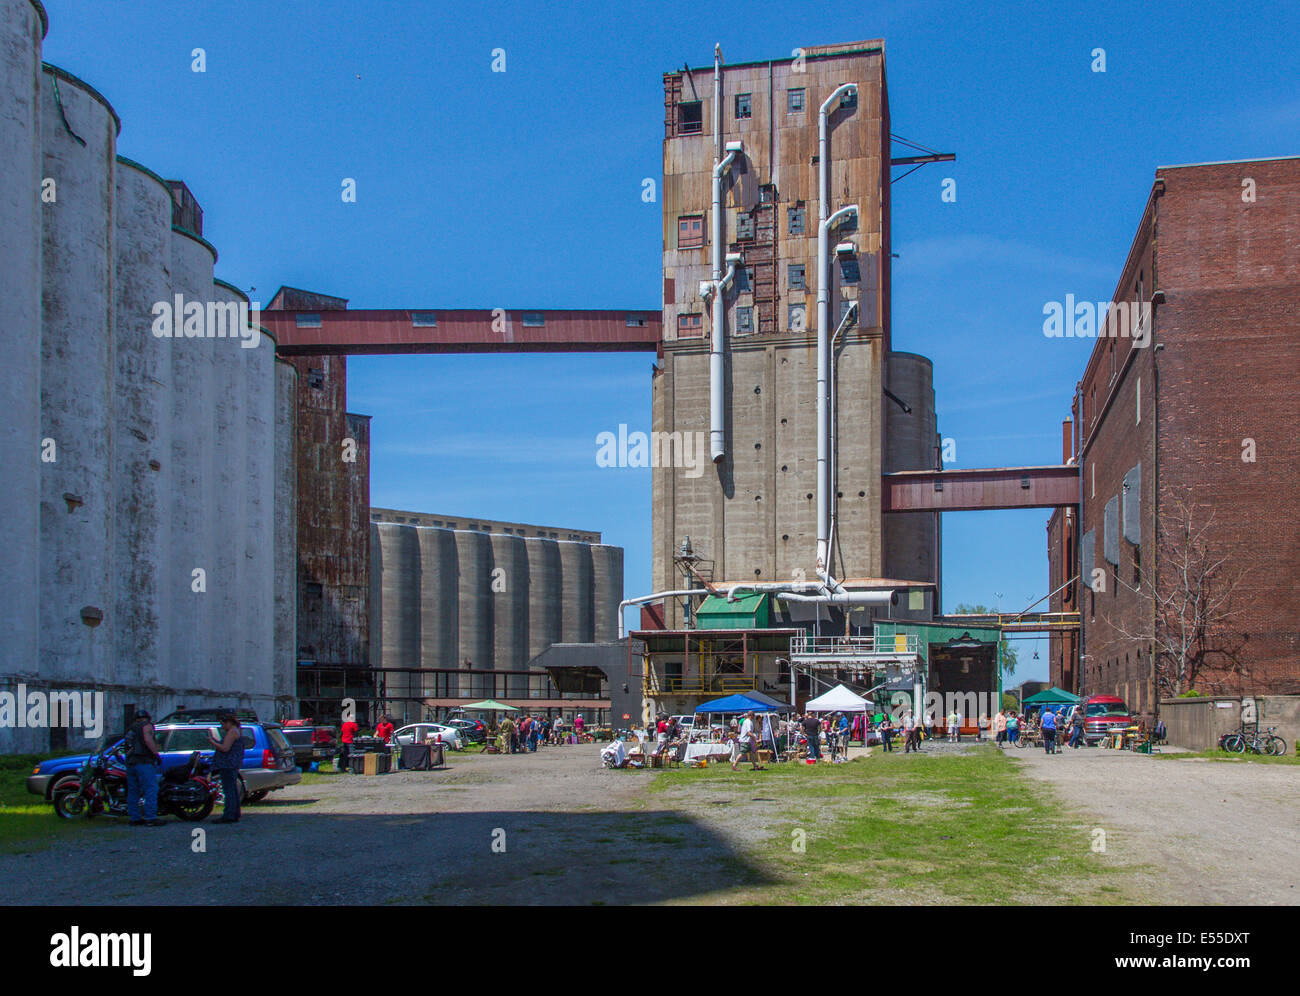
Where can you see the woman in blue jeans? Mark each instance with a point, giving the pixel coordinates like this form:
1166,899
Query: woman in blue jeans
227,759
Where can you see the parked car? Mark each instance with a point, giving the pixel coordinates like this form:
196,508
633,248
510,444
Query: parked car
420,733
686,723
472,730
1101,713
311,743
206,715
268,758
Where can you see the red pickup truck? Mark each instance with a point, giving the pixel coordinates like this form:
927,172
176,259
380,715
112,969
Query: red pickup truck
1101,714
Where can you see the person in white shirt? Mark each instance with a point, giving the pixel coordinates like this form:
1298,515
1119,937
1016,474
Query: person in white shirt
954,726
746,744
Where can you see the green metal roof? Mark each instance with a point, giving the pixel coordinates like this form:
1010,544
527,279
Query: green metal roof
751,610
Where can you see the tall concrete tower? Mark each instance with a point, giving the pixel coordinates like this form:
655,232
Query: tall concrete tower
743,195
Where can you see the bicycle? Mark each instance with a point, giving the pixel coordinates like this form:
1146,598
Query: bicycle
1265,742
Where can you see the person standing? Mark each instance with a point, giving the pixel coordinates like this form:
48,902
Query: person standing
748,745
1049,731
384,729
954,726
143,760
1076,728
1000,728
347,733
812,730
227,759
887,733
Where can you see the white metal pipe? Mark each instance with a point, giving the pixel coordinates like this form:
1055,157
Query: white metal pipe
823,378
772,586
830,445
658,596
840,598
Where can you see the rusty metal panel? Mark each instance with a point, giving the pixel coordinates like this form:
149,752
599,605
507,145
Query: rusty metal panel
984,488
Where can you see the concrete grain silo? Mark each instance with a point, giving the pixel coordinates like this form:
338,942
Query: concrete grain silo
285,515
607,590
576,593
22,26
474,561
510,608
398,579
439,605
78,137
911,539
142,401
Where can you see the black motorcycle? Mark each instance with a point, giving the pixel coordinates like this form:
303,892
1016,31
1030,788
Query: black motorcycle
186,791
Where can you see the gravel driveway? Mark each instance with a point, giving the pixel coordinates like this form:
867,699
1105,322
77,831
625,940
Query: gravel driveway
1216,832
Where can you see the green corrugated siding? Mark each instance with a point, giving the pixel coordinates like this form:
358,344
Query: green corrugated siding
752,611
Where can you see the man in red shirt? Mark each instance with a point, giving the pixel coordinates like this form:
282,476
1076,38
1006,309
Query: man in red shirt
346,733
384,729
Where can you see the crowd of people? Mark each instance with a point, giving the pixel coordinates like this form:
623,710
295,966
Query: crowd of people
524,734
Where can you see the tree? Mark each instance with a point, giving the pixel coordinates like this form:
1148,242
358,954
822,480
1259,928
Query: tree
1008,652
1186,614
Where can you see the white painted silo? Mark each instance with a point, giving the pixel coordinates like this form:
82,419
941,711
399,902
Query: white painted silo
607,582
285,603
575,592
234,636
78,135
190,479
22,26
141,426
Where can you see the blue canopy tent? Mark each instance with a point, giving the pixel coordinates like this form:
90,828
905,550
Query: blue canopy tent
738,703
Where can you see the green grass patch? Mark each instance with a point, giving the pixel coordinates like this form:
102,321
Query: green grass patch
27,821
893,828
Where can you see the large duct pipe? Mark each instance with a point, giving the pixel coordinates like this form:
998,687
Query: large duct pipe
824,224
658,596
840,597
716,290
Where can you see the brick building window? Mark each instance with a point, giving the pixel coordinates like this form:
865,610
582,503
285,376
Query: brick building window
745,279
744,106
690,117
794,100
744,227
795,277
690,231
744,319
690,326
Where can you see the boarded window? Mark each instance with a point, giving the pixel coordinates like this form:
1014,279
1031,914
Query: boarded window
690,326
1132,505
744,227
796,225
850,271
744,106
744,319
1110,535
745,279
690,117
794,100
796,277
690,231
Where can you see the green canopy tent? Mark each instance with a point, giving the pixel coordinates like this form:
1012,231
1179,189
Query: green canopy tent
1052,696
490,705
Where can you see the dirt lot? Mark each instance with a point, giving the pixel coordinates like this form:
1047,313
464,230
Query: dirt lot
1220,832
566,831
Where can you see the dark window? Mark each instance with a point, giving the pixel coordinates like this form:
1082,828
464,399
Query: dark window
794,100
766,193
744,227
844,309
796,220
316,378
1137,567
635,320
850,272
849,100
796,277
307,321
690,117
743,106
690,326
690,232
533,320
745,279
314,589
849,223
744,319
424,319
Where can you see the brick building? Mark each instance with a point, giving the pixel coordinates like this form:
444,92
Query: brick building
1194,428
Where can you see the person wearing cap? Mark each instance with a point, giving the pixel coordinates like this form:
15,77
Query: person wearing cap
227,759
143,761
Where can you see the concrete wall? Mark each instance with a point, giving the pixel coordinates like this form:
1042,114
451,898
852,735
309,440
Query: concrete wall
1198,723
131,458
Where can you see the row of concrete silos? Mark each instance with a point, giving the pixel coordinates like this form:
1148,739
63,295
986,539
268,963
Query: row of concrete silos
440,597
145,537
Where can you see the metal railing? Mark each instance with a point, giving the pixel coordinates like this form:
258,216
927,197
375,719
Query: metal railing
723,684
808,645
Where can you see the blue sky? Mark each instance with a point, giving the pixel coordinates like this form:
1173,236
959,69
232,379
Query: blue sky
522,189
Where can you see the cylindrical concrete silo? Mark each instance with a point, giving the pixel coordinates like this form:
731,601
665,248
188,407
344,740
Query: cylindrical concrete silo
141,426
22,25
910,538
257,594
575,592
400,559
190,479
237,653
545,579
439,607
285,604
607,582
510,604
474,557
78,135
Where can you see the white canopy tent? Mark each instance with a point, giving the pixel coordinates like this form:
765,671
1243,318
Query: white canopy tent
839,699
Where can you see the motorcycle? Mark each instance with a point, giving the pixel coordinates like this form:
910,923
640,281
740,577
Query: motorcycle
186,791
